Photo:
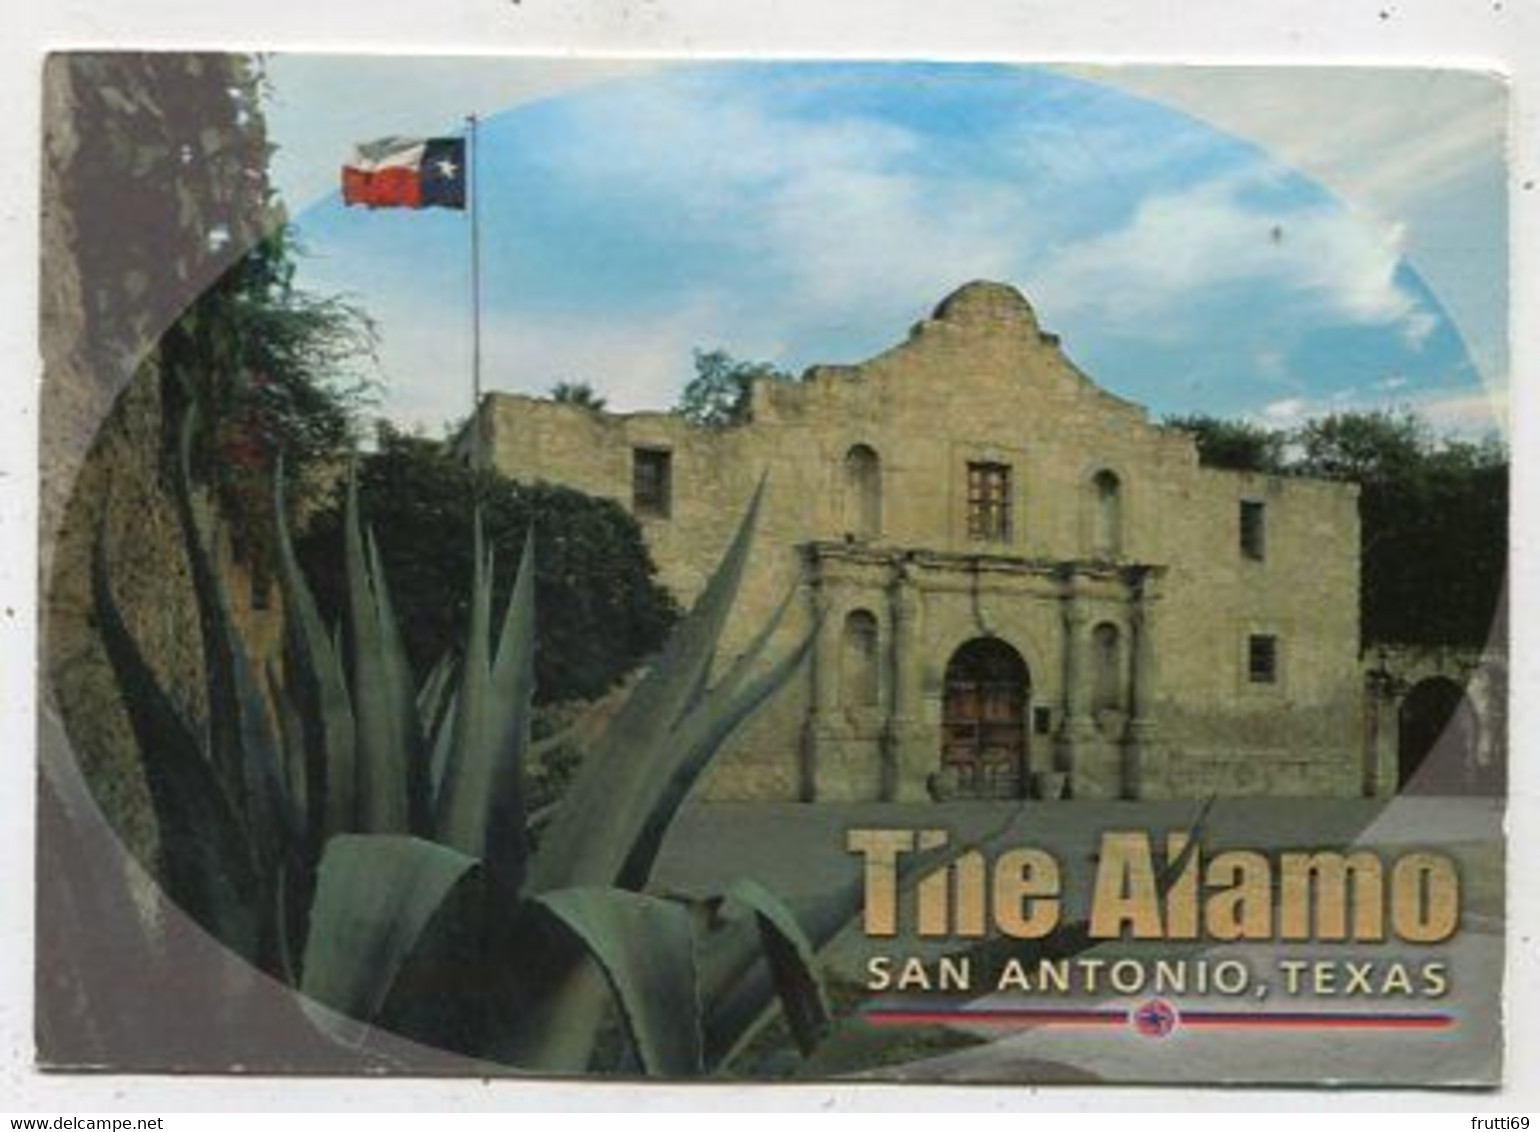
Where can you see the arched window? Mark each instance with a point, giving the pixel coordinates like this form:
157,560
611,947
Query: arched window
863,492
1106,668
859,664
1106,515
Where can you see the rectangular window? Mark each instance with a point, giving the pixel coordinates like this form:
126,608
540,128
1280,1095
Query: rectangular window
989,502
1253,529
651,481
1262,659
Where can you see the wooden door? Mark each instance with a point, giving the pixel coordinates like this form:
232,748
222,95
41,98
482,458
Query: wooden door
984,731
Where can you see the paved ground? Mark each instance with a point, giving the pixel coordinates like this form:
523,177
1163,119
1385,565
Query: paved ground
798,850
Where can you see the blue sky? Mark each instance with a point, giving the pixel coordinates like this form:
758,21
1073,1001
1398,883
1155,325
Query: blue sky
804,213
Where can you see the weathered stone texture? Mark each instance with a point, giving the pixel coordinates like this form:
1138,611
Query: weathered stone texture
102,471
1154,563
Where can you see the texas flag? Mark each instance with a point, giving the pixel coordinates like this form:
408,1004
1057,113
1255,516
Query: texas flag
406,173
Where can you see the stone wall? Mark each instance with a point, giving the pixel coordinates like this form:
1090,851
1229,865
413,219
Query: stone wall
980,383
103,432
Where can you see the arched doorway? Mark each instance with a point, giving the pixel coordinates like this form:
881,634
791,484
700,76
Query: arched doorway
984,721
1436,741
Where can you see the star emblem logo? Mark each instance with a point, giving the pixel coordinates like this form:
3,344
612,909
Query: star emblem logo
1155,1019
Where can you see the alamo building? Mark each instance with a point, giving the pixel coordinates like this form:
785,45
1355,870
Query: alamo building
1023,587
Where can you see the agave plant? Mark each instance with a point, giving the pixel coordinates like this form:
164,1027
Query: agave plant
366,840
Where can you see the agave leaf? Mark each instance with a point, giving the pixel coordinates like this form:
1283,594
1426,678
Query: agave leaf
675,681
692,746
512,688
205,861
375,896
737,989
646,948
440,745
381,757
459,818
223,713
611,802
407,727
550,1020
282,928
271,815
434,695
614,798
291,734
745,661
793,966
315,670
482,792
241,737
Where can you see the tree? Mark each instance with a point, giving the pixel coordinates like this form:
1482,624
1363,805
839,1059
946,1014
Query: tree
274,371
577,393
184,246
719,395
1434,521
1238,445
1365,447
1433,513
600,609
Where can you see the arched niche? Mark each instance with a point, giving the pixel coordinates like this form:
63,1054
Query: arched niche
1106,514
863,492
860,663
1106,668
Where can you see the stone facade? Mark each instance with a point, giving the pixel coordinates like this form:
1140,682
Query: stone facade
1021,586
1437,719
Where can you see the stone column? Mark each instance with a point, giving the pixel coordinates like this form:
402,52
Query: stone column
1141,775
906,760
823,699
1379,729
826,659
1383,694
1075,726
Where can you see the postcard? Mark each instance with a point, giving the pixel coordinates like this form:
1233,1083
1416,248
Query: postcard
773,570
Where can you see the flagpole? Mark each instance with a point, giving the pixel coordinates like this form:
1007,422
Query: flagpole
473,159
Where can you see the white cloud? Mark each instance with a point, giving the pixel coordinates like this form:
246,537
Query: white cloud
1406,146
1459,413
856,223
1286,413
1153,275
845,216
850,239
1468,414
635,362
1384,138
320,106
